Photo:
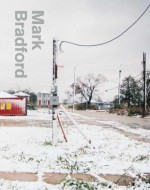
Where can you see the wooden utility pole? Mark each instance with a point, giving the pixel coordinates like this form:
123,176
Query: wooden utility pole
74,89
119,87
144,84
128,92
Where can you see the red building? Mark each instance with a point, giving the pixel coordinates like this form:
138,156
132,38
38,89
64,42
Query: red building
25,96
12,105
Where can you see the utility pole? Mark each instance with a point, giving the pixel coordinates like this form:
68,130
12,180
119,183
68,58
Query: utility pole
128,85
119,87
54,100
144,84
74,88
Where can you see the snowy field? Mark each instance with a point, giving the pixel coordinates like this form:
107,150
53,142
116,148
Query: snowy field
29,149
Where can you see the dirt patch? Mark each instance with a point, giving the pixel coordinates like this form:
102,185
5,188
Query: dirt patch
121,180
56,178
19,176
25,123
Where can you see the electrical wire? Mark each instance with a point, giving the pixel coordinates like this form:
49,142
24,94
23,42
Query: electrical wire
137,75
106,42
118,85
111,89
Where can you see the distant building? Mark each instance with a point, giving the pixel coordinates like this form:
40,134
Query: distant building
105,105
102,105
43,99
12,105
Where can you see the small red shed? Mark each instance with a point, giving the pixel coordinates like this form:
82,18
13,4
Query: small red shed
25,96
12,105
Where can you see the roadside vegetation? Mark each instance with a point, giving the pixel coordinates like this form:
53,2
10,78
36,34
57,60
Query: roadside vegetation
130,101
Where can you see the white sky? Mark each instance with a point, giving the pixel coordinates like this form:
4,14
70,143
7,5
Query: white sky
80,21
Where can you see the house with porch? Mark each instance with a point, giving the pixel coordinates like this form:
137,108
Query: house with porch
43,99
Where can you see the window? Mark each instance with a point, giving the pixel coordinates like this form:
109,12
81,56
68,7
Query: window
8,106
2,106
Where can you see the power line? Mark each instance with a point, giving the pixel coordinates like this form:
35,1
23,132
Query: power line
118,86
137,75
106,42
111,89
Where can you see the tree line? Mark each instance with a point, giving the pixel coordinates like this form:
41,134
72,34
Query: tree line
132,95
131,91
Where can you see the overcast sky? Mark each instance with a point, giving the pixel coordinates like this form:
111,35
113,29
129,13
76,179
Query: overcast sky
80,21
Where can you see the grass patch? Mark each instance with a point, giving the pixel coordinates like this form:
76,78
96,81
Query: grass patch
141,158
47,143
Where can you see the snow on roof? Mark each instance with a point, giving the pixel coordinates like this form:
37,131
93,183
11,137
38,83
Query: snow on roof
44,92
21,94
6,95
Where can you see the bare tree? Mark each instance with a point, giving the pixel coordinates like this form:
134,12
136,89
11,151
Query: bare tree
88,86
11,91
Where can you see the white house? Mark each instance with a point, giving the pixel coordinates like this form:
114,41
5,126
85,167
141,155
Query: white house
43,99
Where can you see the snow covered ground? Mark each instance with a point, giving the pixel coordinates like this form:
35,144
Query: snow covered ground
144,133
29,149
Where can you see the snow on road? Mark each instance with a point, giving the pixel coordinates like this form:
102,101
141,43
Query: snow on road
142,132
29,149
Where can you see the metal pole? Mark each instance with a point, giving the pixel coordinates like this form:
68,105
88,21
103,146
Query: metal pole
75,123
54,92
74,89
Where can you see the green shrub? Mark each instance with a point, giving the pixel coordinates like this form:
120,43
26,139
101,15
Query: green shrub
134,110
80,106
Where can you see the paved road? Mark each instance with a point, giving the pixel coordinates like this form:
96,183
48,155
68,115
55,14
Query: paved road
131,121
